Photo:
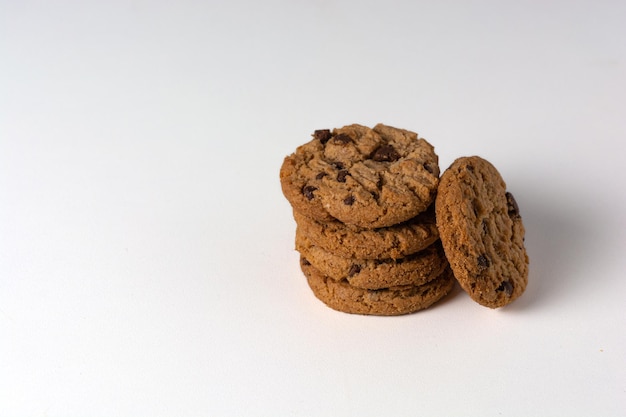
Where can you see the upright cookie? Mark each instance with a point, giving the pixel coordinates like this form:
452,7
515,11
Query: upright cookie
394,301
365,177
482,232
415,269
391,242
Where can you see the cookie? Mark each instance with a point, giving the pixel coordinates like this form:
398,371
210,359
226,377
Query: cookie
394,301
364,177
416,269
391,242
482,232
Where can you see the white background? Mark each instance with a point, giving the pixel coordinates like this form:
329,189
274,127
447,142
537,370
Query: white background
146,251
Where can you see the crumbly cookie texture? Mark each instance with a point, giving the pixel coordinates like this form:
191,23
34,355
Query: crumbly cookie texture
393,242
394,301
370,178
482,233
416,269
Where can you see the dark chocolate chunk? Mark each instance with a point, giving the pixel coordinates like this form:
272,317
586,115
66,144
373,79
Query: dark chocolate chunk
483,261
342,139
341,175
337,165
323,135
385,153
307,190
354,269
507,287
428,167
475,208
320,175
512,206
348,201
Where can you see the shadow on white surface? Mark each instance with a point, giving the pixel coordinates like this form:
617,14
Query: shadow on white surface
563,237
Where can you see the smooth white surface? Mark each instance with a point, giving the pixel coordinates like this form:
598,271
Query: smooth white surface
146,251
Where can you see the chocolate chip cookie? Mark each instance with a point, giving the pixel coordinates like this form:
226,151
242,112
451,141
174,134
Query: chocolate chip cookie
416,269
369,178
482,232
342,296
391,242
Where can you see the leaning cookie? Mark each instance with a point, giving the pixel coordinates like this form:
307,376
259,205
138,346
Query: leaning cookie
482,232
395,301
391,242
365,177
416,269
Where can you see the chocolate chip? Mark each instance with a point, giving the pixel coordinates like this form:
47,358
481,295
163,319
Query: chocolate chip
348,201
354,269
428,167
337,165
475,208
507,287
342,139
341,175
323,135
305,261
307,190
385,153
512,206
470,168
483,261
320,175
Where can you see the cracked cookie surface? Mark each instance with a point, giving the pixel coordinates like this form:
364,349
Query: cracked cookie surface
370,178
482,233
393,301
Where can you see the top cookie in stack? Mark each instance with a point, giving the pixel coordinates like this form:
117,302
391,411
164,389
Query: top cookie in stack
363,177
363,202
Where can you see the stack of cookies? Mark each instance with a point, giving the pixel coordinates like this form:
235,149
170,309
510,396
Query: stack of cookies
379,232
363,201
